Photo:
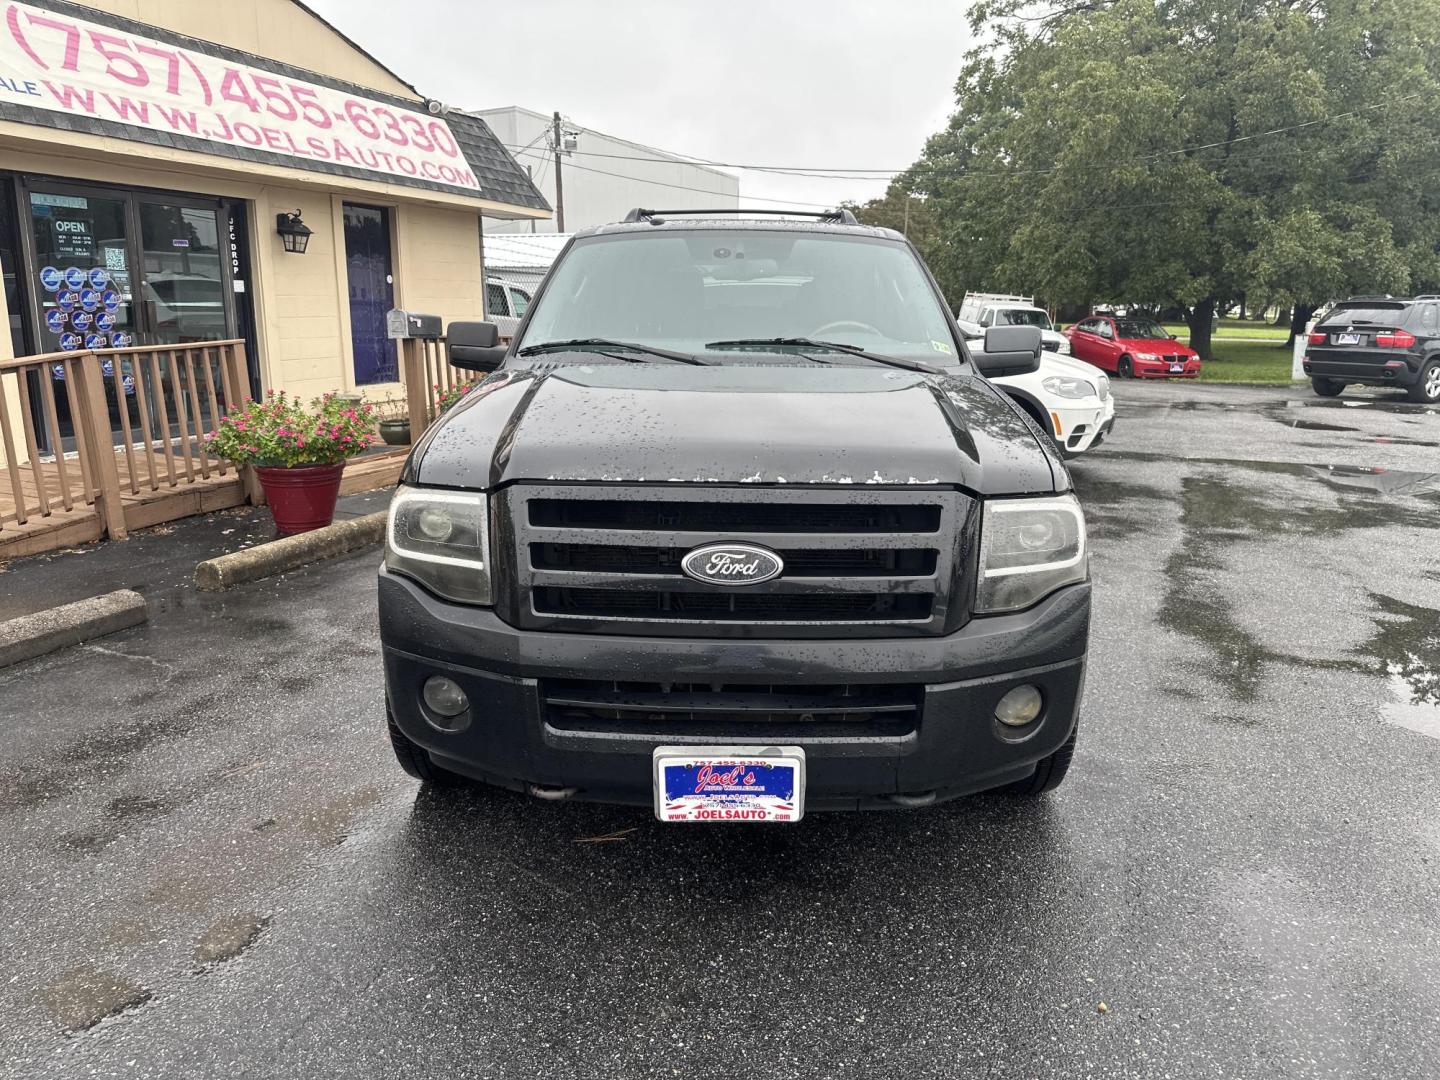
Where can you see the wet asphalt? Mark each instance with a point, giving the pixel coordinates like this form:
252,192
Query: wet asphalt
210,865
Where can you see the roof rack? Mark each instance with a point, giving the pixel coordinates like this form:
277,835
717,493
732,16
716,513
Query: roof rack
657,217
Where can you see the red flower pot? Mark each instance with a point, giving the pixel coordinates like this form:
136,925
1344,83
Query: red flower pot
301,497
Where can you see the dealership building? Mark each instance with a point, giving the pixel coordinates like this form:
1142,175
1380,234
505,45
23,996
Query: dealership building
174,171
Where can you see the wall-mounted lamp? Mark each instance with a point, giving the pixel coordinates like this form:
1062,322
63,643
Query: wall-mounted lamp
294,233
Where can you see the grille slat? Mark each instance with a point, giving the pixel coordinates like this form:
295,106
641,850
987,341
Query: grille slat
607,558
670,710
731,605
838,562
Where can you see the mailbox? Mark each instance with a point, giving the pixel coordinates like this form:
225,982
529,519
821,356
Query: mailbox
411,324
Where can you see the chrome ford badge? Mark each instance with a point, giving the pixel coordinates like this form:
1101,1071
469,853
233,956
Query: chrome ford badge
732,564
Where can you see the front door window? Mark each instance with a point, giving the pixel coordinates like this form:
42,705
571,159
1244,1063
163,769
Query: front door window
372,293
184,288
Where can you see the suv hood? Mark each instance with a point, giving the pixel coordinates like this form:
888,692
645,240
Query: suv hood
771,424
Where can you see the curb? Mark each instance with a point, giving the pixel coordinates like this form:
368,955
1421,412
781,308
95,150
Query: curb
42,632
289,552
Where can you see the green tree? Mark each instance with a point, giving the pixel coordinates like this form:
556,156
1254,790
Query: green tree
1188,153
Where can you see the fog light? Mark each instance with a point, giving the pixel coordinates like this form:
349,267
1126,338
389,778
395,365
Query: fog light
443,697
1020,706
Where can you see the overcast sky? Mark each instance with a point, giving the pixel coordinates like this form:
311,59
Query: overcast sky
829,83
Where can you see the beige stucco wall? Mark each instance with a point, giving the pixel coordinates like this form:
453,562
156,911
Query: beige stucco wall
280,29
302,301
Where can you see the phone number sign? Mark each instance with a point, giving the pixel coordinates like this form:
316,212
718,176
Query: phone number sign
53,62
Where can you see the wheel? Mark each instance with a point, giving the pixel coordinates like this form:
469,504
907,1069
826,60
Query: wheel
1326,387
1049,772
1427,386
415,761
1126,368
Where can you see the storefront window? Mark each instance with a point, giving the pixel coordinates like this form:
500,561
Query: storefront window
83,275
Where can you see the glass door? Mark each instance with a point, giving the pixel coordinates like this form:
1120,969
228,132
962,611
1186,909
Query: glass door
83,285
184,283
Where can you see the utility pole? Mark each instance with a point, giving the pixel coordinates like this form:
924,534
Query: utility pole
905,229
559,180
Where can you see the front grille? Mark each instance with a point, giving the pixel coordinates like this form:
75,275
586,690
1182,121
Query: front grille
735,711
1172,358
858,560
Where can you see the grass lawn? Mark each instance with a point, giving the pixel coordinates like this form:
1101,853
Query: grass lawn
1233,328
1247,362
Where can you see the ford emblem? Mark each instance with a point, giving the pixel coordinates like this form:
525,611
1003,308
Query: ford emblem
732,564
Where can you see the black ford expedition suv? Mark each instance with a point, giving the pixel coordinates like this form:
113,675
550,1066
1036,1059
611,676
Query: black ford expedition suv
1377,341
736,529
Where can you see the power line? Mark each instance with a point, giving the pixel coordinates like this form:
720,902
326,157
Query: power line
698,190
862,174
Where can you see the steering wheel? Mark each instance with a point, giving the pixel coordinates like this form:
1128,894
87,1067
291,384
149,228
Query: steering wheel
847,324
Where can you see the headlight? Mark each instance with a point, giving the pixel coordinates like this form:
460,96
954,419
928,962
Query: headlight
441,539
1104,386
1028,549
1064,386
1064,347
1146,356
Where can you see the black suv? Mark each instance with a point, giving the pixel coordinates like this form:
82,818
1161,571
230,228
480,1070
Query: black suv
1378,341
737,529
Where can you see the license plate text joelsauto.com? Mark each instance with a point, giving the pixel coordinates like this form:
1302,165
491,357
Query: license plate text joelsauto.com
729,784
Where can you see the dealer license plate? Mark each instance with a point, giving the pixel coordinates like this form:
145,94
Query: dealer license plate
1347,339
1176,367
729,783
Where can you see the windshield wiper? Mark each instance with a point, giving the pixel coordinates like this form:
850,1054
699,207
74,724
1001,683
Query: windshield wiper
832,346
601,344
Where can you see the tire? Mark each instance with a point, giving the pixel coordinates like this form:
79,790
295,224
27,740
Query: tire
1326,387
1125,368
1049,771
415,761
1427,387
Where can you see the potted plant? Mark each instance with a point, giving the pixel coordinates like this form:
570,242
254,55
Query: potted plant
444,398
298,452
394,417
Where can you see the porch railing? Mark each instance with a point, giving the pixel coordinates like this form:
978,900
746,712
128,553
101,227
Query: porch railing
427,373
137,419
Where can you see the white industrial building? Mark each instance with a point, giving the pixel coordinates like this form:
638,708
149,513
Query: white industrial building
603,176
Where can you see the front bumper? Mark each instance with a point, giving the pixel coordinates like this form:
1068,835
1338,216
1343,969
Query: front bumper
1160,369
1085,428
955,748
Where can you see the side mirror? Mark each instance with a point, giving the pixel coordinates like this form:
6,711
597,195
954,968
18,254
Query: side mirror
475,346
1010,350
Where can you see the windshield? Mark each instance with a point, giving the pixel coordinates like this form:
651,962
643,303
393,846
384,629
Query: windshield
1022,317
679,290
1140,328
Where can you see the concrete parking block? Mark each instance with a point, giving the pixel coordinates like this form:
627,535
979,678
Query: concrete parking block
35,635
288,553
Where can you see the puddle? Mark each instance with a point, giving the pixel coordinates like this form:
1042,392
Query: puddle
1407,646
1379,481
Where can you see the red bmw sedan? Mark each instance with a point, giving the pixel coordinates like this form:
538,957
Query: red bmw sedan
1132,347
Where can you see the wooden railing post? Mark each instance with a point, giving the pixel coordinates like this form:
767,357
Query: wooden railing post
100,445
417,387
235,383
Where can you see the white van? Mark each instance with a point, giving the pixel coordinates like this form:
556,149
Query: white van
985,310
505,304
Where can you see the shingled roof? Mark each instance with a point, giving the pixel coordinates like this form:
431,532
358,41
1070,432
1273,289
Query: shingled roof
501,179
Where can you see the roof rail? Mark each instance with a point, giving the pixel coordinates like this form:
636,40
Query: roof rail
1428,296
657,217
1352,299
